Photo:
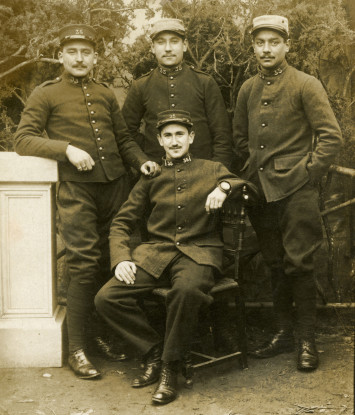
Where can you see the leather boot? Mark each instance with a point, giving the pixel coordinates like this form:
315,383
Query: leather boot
307,355
282,342
106,349
151,369
81,366
167,389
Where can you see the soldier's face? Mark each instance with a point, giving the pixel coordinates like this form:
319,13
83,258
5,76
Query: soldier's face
176,140
78,57
270,48
169,48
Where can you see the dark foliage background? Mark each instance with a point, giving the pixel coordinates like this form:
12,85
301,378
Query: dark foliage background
219,44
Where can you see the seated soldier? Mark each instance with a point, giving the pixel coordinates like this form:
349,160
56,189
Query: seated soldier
183,252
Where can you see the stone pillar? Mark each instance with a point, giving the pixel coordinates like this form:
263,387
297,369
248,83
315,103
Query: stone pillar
31,321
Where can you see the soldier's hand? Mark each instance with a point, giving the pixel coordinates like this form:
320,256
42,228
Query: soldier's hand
79,158
215,200
126,272
150,168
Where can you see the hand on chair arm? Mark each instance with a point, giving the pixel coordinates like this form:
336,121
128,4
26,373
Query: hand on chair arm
237,190
215,200
126,272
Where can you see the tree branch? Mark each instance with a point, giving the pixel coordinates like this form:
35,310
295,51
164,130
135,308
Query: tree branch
22,64
102,9
207,54
20,50
347,80
192,55
19,97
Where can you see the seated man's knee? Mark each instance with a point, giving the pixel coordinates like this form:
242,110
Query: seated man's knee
101,300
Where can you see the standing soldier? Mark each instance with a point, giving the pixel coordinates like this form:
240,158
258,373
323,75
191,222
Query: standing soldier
278,113
175,85
88,137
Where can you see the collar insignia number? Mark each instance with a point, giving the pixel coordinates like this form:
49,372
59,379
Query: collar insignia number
170,163
276,72
168,71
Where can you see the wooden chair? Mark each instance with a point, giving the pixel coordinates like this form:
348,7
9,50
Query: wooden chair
226,289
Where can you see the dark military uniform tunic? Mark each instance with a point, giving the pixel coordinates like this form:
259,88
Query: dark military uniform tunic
84,114
275,120
186,89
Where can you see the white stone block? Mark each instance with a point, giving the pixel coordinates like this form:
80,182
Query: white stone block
31,322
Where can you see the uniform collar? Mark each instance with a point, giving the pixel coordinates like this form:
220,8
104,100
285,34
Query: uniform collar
75,80
173,162
170,71
277,71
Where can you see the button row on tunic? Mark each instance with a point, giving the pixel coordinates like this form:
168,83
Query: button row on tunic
92,112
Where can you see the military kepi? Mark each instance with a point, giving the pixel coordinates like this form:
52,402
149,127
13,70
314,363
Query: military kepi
174,116
168,25
77,32
273,22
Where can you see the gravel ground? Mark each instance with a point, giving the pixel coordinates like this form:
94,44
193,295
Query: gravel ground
271,386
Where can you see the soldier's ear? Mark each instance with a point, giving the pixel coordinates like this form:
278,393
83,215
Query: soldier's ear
288,44
191,137
152,48
60,56
185,44
95,58
160,140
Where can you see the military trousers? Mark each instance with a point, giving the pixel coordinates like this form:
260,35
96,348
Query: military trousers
289,232
85,214
119,305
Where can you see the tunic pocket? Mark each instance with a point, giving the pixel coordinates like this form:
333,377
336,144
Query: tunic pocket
287,162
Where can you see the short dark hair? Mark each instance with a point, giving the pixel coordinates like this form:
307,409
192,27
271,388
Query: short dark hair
188,127
282,34
180,35
61,46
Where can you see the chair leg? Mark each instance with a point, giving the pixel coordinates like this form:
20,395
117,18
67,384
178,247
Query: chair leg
241,329
187,370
